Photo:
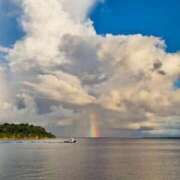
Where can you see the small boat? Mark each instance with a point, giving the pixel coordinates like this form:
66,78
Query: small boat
72,140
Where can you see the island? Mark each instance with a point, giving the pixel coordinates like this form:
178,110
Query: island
23,131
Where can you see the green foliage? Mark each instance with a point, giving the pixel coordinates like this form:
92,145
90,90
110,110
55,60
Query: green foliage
23,131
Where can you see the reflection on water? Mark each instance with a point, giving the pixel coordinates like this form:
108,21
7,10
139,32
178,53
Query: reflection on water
98,159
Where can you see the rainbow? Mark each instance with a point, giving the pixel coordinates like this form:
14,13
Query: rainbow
94,129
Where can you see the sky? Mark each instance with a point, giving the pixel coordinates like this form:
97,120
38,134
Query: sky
91,68
10,28
158,18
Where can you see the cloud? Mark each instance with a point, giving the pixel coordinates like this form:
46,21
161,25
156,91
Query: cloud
4,94
60,87
4,50
61,72
79,10
45,23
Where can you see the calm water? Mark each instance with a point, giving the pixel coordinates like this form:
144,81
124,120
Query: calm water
101,159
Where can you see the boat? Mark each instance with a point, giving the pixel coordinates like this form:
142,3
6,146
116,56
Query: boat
72,140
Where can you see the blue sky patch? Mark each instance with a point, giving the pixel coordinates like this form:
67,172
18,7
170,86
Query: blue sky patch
177,84
149,17
10,30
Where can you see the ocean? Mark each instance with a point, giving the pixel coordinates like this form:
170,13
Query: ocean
90,159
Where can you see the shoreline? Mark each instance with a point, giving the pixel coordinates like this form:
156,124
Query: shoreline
25,139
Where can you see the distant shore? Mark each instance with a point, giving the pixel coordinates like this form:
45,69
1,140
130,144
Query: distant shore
24,139
23,132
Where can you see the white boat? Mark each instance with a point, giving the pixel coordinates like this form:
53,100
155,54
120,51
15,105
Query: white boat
72,140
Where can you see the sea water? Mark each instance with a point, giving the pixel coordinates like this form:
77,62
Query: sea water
90,159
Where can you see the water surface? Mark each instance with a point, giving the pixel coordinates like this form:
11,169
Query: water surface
90,159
